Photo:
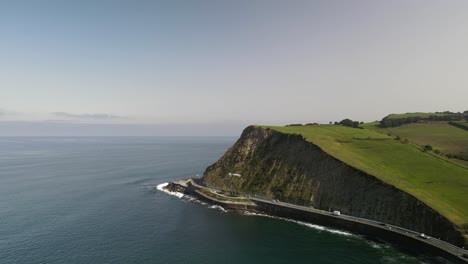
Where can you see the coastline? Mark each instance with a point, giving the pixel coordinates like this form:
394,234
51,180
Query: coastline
404,239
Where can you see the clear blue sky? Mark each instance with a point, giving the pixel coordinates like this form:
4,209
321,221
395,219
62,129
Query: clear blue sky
229,63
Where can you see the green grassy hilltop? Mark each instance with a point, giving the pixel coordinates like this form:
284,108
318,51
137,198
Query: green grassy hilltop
445,139
433,179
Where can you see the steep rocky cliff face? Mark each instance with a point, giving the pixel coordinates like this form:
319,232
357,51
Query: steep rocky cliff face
289,168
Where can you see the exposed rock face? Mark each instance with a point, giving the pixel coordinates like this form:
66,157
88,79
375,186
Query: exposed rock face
289,168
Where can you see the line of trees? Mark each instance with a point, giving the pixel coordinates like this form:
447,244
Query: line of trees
448,116
462,126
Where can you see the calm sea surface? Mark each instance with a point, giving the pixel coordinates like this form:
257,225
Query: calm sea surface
94,200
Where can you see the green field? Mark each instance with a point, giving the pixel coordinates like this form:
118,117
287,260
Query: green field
440,135
440,184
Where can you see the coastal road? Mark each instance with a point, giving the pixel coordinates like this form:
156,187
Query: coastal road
403,231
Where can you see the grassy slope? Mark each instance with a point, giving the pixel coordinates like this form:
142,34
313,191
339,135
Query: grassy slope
440,135
440,184
462,162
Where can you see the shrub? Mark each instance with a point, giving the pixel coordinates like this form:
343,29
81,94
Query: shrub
427,147
349,123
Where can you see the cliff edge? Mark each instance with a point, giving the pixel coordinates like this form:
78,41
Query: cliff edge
287,167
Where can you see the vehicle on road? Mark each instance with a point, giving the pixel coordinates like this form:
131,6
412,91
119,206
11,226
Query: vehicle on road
422,235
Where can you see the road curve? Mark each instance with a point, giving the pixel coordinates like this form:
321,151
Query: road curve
462,253
402,231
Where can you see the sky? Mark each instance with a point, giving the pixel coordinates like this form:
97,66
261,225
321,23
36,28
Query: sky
213,67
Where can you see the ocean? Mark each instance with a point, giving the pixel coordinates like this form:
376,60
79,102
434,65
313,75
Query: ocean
96,200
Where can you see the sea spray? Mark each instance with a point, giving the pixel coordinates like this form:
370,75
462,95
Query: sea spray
188,198
161,188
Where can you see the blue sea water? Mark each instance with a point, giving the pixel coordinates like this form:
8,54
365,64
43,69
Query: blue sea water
94,200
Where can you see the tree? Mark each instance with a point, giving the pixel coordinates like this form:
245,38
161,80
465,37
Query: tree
347,122
427,147
386,122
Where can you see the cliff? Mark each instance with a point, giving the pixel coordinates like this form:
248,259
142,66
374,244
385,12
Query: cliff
289,168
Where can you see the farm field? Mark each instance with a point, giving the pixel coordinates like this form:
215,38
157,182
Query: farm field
440,135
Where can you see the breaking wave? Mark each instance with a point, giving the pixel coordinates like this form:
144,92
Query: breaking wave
317,227
188,198
161,188
218,207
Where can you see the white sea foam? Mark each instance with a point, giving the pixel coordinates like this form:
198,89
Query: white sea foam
379,245
161,188
194,200
218,207
375,245
317,227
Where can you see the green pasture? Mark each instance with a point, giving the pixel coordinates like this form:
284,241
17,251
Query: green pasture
439,134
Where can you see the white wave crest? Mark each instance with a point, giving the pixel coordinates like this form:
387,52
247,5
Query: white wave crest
218,207
161,188
375,245
188,198
194,200
317,227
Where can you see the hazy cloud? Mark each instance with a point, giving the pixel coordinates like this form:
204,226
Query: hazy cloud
87,116
40,128
5,112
